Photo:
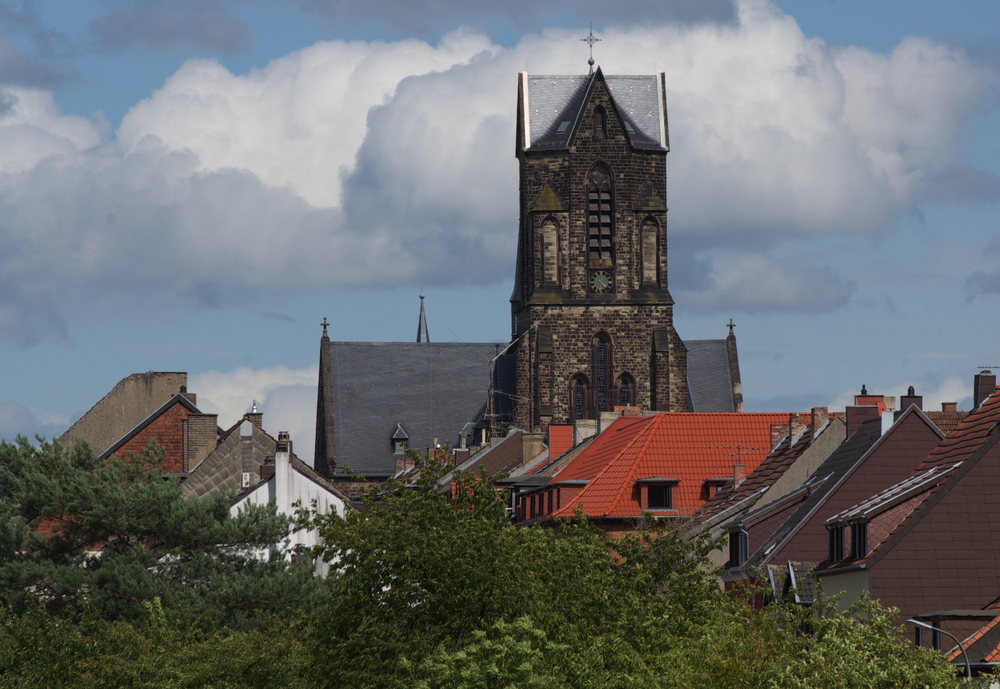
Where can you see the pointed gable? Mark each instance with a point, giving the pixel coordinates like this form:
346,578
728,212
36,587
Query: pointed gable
551,107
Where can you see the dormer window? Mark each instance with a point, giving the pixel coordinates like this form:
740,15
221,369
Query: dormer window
859,540
739,548
711,486
836,553
400,441
656,493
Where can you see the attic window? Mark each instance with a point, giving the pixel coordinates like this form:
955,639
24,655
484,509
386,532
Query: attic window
859,540
739,548
836,553
629,128
563,126
659,498
656,493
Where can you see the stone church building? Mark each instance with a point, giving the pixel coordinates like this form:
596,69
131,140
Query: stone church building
592,316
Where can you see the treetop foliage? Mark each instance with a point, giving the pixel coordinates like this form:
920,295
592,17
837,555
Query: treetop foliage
431,587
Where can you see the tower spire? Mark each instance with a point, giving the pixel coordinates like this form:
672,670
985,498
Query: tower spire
422,335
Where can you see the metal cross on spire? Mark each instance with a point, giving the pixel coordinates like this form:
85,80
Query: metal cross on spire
325,326
591,40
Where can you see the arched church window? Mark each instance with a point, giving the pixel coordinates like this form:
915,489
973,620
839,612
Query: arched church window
579,392
601,363
600,217
626,390
600,123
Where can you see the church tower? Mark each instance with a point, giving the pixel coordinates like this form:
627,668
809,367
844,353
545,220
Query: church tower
591,313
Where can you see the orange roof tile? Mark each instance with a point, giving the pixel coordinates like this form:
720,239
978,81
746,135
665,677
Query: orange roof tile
689,447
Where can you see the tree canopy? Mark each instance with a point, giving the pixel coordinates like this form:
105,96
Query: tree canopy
112,535
436,588
431,587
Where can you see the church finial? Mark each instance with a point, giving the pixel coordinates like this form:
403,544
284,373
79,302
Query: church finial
591,40
422,335
325,326
730,325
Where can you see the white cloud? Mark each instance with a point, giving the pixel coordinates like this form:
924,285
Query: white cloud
286,397
16,419
371,163
755,282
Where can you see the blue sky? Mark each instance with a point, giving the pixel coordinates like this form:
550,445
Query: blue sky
193,186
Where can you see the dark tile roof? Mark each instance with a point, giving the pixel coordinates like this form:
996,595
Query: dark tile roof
429,389
968,435
710,380
826,477
777,462
894,511
554,104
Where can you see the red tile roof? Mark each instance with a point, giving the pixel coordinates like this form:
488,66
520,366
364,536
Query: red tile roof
688,447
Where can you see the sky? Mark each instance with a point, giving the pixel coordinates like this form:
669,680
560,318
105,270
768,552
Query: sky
194,185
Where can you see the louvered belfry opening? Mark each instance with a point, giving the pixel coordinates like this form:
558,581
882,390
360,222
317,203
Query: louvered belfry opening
600,217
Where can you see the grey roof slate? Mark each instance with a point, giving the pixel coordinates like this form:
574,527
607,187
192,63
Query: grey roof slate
428,389
710,380
222,470
554,103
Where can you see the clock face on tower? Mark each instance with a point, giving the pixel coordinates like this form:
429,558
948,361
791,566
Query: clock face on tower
600,282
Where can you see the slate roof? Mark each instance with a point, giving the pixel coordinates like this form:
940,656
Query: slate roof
428,388
552,106
710,380
222,470
687,447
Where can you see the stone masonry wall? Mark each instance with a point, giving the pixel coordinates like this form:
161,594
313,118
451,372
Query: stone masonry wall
556,319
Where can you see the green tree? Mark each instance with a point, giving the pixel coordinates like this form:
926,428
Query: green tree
437,588
109,536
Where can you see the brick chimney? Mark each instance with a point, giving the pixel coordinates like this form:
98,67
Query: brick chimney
983,385
795,425
560,439
778,431
820,415
254,416
739,473
911,399
857,415
949,406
